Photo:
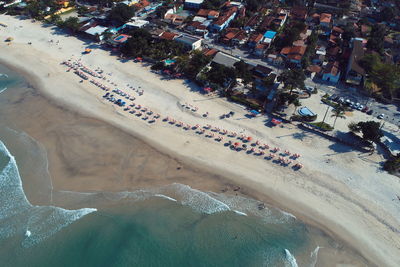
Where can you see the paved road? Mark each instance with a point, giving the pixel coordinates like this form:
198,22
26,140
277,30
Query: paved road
392,112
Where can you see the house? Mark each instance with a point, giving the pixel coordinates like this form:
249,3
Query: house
325,20
331,72
313,70
254,39
191,42
298,13
252,23
224,19
240,38
269,37
275,59
168,36
136,23
294,54
259,50
210,52
266,23
208,13
225,59
96,32
354,72
281,18
198,28
193,4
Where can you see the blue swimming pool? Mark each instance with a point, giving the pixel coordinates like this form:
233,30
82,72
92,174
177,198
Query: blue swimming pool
305,111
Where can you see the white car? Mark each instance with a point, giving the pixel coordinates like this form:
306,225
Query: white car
381,116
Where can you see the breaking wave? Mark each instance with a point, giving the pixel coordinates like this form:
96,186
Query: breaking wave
290,259
18,216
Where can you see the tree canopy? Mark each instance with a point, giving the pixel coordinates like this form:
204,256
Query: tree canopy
121,13
191,66
385,76
71,24
375,41
371,130
142,45
291,33
242,71
292,78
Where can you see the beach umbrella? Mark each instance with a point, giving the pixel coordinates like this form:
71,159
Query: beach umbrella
236,144
249,138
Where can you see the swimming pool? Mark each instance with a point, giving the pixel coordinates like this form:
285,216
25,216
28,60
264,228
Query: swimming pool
305,111
169,61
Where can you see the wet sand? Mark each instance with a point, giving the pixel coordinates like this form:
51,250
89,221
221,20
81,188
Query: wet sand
88,155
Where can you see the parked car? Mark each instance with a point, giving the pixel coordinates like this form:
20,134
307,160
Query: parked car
369,112
381,116
365,109
309,89
360,107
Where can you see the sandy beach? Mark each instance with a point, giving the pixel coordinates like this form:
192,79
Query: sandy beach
340,190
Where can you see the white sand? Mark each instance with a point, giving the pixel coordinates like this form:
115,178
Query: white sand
340,190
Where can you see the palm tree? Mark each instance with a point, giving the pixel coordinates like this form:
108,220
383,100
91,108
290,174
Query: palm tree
338,112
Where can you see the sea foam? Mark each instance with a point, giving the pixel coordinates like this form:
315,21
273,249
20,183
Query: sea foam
290,259
17,215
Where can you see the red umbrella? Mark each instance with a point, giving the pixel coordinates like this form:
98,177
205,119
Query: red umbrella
249,138
236,144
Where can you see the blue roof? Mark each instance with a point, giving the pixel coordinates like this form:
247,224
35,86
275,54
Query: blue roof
270,34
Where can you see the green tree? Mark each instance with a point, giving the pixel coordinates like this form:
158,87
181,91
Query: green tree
71,24
338,112
292,78
375,41
242,71
371,130
121,13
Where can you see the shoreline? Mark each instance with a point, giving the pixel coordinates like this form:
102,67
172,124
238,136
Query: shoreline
304,212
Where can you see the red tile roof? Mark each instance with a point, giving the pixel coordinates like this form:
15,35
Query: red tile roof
325,18
225,15
168,35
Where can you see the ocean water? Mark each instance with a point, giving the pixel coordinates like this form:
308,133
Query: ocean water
169,226
174,225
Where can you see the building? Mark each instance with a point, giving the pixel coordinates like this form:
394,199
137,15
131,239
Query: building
325,20
136,23
354,72
96,32
191,42
193,4
298,13
269,37
294,54
118,40
168,36
224,59
254,39
224,19
331,72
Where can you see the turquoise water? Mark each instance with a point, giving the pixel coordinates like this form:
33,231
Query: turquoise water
173,225
169,226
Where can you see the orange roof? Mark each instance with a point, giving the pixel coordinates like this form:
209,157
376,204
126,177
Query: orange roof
203,12
325,17
213,13
168,35
142,4
255,38
226,15
286,50
210,52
